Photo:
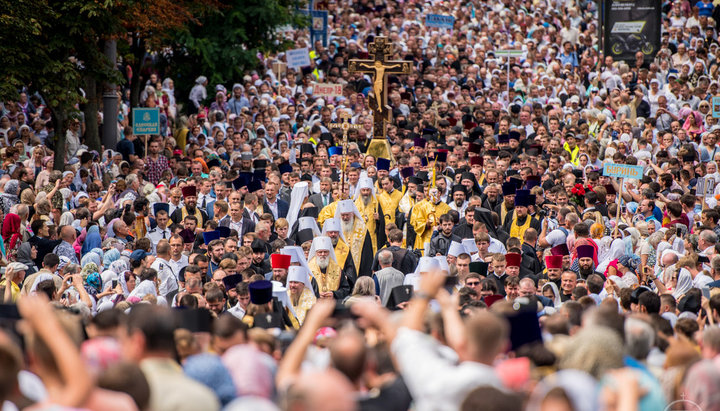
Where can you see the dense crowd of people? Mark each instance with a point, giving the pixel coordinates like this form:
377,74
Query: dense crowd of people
245,259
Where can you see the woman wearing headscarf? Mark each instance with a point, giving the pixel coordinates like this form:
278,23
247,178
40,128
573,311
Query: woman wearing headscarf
26,253
550,290
609,265
11,235
10,197
92,240
197,95
110,257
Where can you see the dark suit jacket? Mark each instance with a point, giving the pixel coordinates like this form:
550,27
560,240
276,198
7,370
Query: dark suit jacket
530,265
247,224
282,207
246,214
316,200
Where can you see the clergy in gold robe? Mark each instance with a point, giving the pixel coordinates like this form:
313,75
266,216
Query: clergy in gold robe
329,280
357,236
300,291
518,221
332,228
425,217
372,212
389,199
508,203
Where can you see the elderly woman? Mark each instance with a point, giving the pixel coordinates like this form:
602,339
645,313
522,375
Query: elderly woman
10,197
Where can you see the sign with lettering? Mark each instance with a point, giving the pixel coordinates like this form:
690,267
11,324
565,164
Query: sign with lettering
716,107
298,58
327,90
705,187
439,21
623,171
146,121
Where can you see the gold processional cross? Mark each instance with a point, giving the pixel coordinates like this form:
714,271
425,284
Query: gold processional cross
379,67
345,125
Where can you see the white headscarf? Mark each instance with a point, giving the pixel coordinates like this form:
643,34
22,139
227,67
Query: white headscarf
144,288
556,294
297,198
617,250
684,283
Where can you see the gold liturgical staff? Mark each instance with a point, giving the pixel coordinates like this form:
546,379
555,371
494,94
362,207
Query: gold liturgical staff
379,67
344,125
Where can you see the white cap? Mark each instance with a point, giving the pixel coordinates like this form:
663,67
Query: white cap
17,267
442,261
427,264
322,243
347,206
333,224
456,249
299,274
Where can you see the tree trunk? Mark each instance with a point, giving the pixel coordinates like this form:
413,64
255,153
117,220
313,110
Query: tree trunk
90,109
59,116
136,82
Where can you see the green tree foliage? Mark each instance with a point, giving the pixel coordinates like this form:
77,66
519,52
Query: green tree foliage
49,46
227,41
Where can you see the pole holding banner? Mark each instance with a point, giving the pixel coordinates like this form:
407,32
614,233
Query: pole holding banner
619,206
621,171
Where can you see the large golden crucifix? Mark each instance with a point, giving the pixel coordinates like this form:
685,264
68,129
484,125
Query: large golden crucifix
345,125
379,67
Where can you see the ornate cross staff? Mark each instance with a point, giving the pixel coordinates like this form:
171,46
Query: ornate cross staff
345,125
379,67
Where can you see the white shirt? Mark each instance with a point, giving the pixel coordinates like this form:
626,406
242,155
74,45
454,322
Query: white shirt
156,234
556,237
178,265
436,382
168,278
253,217
273,208
237,311
236,226
208,200
496,246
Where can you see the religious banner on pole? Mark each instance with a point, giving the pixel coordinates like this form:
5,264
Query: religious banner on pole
378,68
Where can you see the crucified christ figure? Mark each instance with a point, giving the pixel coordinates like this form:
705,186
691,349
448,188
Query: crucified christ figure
379,81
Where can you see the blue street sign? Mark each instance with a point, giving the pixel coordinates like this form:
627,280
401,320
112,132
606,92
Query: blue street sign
716,107
622,171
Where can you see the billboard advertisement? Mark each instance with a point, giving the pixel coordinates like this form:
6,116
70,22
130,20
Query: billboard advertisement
631,26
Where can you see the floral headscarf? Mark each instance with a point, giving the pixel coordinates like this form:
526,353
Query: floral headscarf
93,282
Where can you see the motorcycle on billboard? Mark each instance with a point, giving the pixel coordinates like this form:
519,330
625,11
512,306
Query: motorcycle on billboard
631,26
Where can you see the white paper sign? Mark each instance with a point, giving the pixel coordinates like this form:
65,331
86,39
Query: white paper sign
298,58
